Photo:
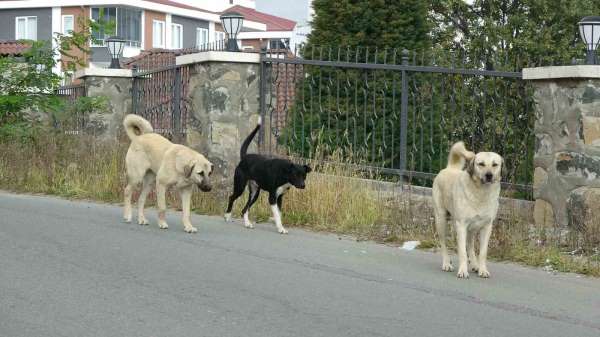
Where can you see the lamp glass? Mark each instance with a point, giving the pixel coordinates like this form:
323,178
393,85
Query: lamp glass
589,29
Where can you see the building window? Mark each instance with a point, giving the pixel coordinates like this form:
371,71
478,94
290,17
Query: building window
158,34
219,36
201,37
68,24
26,28
176,36
279,43
127,24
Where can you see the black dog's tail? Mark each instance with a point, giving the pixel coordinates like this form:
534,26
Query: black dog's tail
248,140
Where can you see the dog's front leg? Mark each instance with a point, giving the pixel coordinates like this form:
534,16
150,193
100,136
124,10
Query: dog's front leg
186,197
473,262
276,213
161,191
461,244
484,239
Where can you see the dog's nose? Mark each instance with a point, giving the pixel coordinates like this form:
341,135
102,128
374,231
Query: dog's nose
489,176
205,188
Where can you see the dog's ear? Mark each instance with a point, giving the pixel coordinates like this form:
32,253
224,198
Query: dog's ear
188,169
307,169
184,165
471,166
289,168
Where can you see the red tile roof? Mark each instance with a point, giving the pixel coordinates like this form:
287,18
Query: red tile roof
273,23
12,47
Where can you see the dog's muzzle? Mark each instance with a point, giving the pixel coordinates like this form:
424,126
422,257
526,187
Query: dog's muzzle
205,187
489,177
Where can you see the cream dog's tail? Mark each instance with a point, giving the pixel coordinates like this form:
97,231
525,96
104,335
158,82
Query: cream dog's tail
458,156
136,126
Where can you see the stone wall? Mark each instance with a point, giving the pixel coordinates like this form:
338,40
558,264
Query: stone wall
224,103
567,153
107,124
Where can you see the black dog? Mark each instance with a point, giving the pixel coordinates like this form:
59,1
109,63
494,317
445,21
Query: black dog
273,175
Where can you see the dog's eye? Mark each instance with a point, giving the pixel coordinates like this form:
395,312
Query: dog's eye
494,165
201,173
481,164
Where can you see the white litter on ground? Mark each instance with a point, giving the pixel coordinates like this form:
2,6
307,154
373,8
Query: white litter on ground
410,245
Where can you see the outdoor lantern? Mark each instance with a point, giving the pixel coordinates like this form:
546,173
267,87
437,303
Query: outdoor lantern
232,24
115,47
589,29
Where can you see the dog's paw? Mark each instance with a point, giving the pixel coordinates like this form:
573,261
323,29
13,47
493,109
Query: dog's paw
190,229
143,222
163,226
227,217
282,230
127,219
249,225
484,273
462,273
447,267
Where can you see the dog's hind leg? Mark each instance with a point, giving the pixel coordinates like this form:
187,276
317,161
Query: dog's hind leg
132,182
471,250
239,184
161,198
441,224
149,179
253,194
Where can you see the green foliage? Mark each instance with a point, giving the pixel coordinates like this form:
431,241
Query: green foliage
512,31
28,82
372,23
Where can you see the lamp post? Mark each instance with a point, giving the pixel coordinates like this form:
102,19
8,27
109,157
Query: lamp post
232,24
115,47
589,29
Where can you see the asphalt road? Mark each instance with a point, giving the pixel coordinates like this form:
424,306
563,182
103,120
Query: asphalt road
75,269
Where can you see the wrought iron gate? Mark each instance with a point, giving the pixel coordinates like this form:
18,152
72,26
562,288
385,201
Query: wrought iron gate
396,112
159,96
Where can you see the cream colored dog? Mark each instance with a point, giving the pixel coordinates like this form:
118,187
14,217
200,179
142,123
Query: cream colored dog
151,157
471,198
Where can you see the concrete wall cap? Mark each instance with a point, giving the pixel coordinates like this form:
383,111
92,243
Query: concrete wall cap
218,56
548,73
103,72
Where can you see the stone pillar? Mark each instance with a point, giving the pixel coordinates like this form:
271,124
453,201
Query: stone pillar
223,98
567,154
115,85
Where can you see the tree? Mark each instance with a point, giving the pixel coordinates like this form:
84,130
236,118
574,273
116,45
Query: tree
511,32
28,83
370,23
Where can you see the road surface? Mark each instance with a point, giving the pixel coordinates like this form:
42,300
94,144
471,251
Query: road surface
71,268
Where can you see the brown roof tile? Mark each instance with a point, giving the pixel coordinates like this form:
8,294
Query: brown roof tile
12,47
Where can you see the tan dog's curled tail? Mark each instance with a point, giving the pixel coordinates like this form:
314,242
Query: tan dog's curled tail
458,156
136,126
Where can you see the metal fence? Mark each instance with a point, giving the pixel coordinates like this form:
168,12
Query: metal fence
159,96
396,113
71,121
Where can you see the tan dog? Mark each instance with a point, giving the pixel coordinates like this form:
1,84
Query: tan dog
151,157
471,198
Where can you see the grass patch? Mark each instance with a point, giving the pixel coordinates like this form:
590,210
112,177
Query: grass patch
336,200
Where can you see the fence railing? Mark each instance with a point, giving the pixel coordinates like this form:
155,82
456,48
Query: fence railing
159,96
392,113
73,121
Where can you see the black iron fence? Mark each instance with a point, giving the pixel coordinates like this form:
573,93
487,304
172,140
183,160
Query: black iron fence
71,120
396,113
159,96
